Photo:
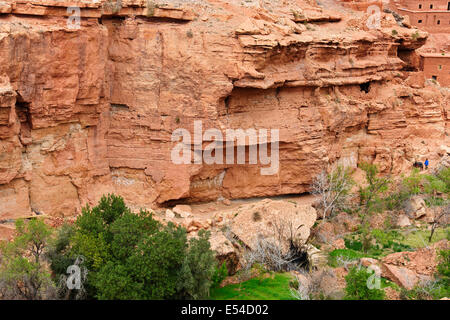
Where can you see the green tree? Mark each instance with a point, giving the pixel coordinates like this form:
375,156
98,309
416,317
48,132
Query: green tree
198,270
133,256
370,199
22,271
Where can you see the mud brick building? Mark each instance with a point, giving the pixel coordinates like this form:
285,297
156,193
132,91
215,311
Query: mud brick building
430,15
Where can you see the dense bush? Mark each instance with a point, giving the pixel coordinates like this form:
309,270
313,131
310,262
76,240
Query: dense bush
444,175
357,287
133,256
443,267
412,183
220,273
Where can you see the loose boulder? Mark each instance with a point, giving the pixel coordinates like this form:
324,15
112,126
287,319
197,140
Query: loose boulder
415,207
403,221
409,268
225,252
183,210
400,275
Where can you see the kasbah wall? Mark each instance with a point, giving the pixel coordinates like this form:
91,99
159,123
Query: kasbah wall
436,67
430,15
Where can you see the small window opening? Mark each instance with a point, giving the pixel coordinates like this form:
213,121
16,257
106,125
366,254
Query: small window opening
365,87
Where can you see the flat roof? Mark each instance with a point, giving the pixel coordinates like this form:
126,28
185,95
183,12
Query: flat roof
434,55
424,11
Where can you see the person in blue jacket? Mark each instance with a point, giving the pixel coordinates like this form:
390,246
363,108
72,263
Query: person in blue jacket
426,164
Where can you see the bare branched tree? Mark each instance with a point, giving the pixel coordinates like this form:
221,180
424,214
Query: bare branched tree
283,251
439,219
332,189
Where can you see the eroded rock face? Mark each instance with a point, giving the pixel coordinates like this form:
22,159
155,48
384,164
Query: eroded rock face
89,111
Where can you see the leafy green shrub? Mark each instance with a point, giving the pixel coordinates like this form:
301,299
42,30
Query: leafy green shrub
388,239
133,256
58,249
427,291
357,288
434,185
353,244
220,273
413,181
444,175
443,267
268,286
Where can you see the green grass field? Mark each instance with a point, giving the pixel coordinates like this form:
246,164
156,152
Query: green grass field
273,286
419,238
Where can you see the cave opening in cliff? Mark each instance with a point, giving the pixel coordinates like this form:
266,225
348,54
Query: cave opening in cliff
119,107
23,111
410,58
227,103
23,114
299,257
365,87
172,203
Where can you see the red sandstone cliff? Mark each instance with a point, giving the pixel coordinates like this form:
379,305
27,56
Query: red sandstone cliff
91,111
